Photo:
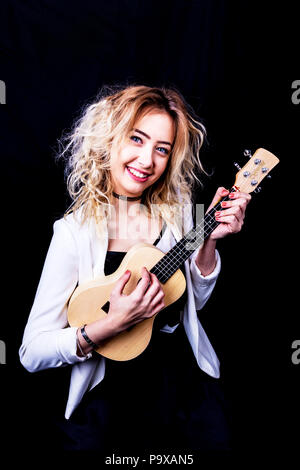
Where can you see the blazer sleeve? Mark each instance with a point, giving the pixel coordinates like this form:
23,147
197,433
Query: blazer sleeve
203,285
48,341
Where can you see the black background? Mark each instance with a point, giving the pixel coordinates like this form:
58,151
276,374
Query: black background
235,63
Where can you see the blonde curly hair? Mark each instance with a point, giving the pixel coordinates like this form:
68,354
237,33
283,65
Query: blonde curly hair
107,122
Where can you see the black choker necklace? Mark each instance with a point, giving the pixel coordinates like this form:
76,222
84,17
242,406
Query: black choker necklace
126,198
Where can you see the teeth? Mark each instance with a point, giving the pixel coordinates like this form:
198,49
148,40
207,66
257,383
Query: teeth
137,173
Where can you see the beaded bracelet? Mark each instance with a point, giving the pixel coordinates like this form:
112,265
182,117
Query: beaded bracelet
80,348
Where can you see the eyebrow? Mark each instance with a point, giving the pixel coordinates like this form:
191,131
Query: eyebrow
148,137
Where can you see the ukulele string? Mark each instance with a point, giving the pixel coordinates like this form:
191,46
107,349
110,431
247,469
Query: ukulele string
170,262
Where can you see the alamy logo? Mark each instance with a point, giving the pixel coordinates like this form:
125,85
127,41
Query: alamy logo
296,93
2,92
296,354
2,352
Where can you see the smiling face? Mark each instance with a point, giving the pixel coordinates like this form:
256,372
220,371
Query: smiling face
143,157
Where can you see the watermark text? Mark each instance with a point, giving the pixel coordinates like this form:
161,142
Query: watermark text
125,223
2,92
2,352
296,354
296,94
151,459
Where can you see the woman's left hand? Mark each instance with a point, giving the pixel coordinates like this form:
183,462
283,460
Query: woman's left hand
232,215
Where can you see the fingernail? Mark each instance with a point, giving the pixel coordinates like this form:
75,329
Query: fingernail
218,213
127,271
224,204
231,195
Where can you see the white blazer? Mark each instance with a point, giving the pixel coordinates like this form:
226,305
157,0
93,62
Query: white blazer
76,255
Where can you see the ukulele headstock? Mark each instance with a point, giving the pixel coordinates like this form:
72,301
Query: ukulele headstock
256,169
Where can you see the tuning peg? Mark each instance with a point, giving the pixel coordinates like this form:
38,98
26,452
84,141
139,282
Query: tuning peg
237,165
257,190
247,153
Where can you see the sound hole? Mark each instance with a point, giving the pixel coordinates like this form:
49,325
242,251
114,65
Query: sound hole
105,307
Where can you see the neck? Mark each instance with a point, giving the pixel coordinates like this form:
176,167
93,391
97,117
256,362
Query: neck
126,209
127,198
126,205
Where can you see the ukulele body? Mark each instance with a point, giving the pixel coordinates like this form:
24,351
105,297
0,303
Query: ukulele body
85,305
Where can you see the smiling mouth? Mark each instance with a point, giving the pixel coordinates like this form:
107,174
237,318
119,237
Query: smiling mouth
137,175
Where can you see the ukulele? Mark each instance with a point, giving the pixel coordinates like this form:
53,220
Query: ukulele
90,301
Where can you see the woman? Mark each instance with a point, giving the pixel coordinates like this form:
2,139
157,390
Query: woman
132,160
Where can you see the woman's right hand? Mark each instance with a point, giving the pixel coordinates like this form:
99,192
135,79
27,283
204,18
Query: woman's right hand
145,300
125,311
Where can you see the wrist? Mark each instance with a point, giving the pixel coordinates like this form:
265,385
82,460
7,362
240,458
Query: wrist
87,338
83,348
206,257
96,332
114,324
103,328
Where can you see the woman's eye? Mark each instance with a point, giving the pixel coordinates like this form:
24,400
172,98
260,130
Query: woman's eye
138,140
163,149
135,138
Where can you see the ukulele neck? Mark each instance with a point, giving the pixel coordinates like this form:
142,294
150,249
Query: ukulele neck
169,263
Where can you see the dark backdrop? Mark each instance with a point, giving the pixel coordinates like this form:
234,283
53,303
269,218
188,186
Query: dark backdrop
235,63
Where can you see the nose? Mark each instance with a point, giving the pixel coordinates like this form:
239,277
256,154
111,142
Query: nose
145,157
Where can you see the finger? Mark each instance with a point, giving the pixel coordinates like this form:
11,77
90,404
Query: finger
239,195
239,204
158,298
158,307
154,288
233,223
235,210
223,217
121,282
236,202
144,283
221,192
